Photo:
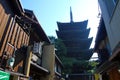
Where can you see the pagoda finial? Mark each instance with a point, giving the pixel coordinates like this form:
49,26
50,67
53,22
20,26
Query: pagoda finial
71,16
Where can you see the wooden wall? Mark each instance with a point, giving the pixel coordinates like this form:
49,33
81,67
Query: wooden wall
12,36
3,20
114,74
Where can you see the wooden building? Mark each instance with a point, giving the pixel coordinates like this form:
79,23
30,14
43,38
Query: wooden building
37,39
110,12
42,61
23,41
106,69
14,38
58,68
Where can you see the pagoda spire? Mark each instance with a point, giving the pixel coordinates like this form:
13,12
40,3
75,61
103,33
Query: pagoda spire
71,16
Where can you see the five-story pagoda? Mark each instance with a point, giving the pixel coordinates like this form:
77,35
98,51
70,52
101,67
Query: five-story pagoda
75,37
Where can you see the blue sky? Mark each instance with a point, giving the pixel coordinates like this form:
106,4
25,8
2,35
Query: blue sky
49,12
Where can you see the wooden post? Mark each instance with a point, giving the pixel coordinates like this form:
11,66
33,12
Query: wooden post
48,61
28,59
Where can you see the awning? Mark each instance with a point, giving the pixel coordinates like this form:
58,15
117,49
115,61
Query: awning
114,54
106,66
16,6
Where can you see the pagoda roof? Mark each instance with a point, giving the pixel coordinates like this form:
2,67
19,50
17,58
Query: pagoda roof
81,43
72,25
76,34
76,50
81,55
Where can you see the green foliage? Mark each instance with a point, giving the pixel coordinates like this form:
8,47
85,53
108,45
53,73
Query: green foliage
87,66
61,49
71,64
62,54
93,65
59,45
68,63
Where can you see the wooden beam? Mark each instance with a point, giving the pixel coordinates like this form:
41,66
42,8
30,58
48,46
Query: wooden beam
28,59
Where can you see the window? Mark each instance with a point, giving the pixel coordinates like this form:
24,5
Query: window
37,48
55,68
59,69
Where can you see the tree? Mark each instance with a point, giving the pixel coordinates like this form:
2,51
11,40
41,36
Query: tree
71,65
60,48
61,52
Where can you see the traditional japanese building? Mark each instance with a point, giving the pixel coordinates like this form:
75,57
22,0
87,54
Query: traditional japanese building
107,43
26,53
75,37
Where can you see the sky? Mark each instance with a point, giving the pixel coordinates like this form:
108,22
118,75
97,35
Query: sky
49,12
